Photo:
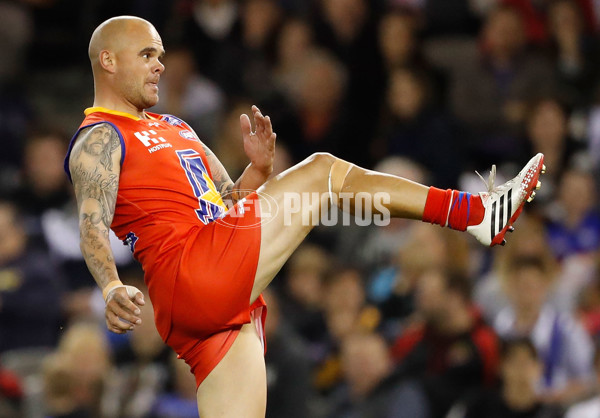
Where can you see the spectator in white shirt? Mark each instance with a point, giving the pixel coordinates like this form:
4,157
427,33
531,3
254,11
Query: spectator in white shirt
589,408
565,348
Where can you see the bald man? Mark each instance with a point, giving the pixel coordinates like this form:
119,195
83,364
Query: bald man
151,179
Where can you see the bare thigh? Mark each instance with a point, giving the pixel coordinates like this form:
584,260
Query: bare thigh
283,232
237,386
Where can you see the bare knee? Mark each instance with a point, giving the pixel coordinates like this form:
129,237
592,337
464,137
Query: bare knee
322,160
331,166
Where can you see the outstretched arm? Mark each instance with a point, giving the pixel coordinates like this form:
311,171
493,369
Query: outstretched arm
260,149
95,170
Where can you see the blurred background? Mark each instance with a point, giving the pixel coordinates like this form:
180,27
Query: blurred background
406,320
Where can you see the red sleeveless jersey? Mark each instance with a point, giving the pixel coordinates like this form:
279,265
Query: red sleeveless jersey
199,271
165,185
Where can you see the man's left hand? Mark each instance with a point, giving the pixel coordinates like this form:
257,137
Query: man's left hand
260,144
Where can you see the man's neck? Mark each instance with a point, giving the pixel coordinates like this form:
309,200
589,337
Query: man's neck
119,105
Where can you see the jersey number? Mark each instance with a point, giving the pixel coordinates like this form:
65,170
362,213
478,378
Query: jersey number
211,204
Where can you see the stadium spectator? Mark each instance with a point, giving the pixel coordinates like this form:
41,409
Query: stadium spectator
245,65
517,397
30,287
348,29
371,386
17,30
547,128
346,312
400,46
490,93
561,342
319,107
60,388
574,226
294,44
528,241
415,129
450,351
186,92
75,375
535,15
574,52
398,42
43,185
210,28
289,379
303,294
393,289
589,408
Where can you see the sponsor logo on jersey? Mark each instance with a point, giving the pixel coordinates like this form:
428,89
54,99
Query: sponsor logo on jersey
187,134
159,147
150,140
172,120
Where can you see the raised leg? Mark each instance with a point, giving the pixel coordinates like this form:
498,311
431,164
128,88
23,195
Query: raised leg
237,386
315,176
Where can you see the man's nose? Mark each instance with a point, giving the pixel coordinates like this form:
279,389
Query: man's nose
160,67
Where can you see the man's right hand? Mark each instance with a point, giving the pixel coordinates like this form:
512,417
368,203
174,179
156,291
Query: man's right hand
122,309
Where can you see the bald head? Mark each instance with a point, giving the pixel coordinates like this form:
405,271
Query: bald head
115,32
125,53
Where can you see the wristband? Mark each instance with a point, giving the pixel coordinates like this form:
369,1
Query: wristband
109,287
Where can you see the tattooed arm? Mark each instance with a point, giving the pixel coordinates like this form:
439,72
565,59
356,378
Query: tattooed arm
95,170
259,147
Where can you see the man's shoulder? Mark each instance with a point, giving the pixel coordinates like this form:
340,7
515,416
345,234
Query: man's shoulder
88,127
170,119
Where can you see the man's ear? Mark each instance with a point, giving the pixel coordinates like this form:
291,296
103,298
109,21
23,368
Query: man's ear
107,61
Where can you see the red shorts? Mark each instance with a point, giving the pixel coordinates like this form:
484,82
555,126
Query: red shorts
213,286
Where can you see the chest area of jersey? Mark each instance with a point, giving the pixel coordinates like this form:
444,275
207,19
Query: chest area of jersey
151,137
170,156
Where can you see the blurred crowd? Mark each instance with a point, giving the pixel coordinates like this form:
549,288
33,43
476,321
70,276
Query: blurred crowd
405,320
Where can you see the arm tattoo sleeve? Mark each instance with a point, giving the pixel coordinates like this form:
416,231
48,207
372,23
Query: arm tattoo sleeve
95,170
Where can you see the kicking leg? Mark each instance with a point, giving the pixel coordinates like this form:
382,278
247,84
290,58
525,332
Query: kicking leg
319,175
487,216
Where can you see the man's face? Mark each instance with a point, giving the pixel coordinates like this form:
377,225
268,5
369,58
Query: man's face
139,66
97,141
